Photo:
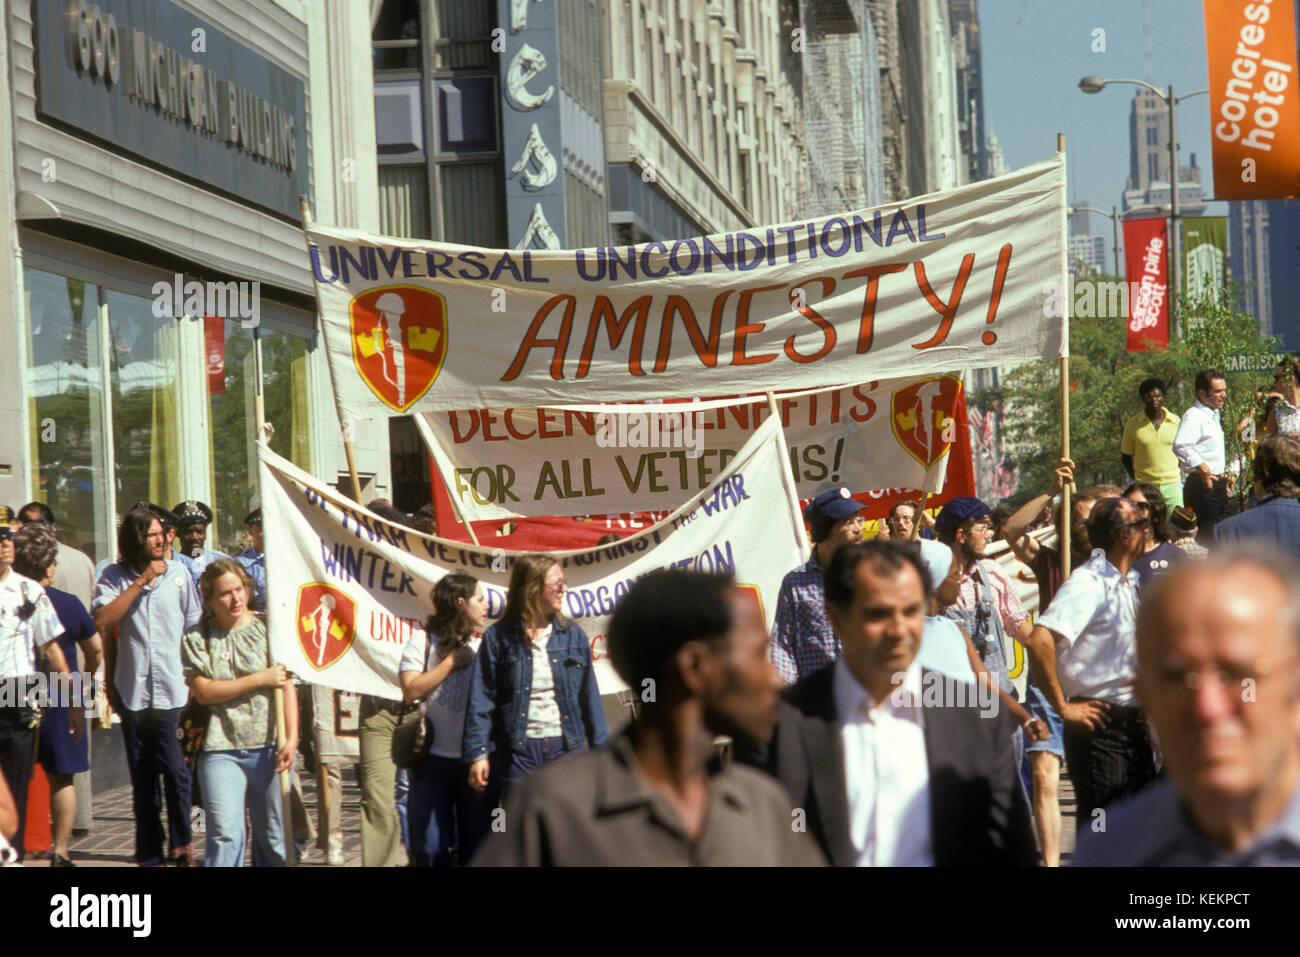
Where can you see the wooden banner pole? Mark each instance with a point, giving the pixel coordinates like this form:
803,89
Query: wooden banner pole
305,209
916,524
1066,515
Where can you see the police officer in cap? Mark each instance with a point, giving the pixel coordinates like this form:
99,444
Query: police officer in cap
193,519
802,639
253,558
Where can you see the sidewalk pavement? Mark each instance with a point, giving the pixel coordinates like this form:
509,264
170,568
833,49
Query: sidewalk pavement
111,841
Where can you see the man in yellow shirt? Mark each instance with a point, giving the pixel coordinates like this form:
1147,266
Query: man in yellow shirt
1147,448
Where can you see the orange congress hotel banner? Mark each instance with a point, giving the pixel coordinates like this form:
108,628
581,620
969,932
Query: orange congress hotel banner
1254,106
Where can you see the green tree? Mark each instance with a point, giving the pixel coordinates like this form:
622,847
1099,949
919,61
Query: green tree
1104,380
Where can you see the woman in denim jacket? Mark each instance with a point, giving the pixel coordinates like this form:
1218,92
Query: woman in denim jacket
533,695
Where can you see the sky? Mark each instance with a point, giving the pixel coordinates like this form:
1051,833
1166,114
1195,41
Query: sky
1034,53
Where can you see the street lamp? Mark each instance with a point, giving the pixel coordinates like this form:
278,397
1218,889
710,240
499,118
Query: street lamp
1095,84
1114,221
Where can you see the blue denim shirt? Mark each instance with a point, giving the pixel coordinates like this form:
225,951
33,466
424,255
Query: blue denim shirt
502,682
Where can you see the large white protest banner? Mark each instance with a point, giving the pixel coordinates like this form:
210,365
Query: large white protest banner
949,280
502,463
346,588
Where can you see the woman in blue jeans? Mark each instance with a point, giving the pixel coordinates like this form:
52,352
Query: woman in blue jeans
229,668
444,811
533,697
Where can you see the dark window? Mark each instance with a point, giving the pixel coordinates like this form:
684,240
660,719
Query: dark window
467,119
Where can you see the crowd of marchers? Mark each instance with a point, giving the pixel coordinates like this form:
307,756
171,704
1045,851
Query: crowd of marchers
877,724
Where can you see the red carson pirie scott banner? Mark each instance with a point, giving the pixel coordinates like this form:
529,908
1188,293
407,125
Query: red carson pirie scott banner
1146,257
1254,106
949,280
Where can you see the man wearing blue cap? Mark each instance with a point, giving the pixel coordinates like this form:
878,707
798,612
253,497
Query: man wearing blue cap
987,606
802,640
989,609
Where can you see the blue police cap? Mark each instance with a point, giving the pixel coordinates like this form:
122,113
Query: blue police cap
833,504
958,510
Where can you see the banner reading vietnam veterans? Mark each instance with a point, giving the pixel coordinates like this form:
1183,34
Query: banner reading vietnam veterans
346,588
944,281
503,463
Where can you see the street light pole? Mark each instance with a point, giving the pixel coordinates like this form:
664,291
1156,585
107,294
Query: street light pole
1114,224
1174,244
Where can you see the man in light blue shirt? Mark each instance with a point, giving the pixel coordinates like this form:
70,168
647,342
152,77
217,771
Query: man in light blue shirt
148,603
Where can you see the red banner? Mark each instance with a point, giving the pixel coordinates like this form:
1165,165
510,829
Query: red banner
214,351
1146,256
1254,107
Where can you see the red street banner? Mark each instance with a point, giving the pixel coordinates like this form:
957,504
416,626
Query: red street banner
1146,255
214,350
1254,107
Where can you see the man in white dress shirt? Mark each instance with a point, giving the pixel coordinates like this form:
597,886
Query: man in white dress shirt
1082,653
1199,447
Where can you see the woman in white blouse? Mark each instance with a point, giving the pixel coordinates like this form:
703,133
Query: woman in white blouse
444,811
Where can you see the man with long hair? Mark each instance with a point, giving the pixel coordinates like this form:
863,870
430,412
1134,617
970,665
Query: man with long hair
151,603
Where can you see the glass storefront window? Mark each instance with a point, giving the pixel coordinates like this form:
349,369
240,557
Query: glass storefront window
146,402
114,417
285,359
234,465
233,454
65,395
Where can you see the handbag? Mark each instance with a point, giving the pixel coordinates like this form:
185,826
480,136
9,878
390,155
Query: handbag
192,726
411,738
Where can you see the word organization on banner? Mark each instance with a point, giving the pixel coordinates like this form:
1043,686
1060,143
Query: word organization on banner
943,281
347,589
503,463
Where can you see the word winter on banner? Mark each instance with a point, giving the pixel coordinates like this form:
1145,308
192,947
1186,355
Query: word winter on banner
347,589
946,280
506,463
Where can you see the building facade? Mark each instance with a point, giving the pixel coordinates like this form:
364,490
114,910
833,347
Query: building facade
1264,258
146,145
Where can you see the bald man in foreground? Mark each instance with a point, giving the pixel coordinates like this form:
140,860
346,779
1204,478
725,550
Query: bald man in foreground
1218,646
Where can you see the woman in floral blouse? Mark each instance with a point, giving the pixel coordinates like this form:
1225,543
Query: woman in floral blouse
228,667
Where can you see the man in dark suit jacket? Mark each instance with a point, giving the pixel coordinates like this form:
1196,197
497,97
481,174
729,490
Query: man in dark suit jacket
1275,519
951,794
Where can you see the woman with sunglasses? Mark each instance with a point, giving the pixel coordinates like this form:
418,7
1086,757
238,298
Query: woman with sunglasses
1161,554
533,695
